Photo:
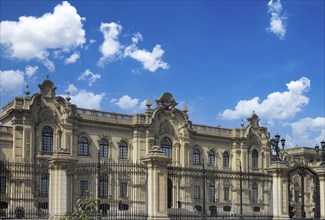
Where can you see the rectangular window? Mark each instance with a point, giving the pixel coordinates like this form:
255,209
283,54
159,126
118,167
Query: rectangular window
3,184
83,187
197,192
45,186
103,186
123,189
211,194
226,193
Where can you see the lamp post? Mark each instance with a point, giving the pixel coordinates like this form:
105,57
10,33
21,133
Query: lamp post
99,188
241,191
275,146
317,149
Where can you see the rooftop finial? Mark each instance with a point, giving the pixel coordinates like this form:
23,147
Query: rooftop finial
185,109
68,97
242,123
47,76
148,103
27,91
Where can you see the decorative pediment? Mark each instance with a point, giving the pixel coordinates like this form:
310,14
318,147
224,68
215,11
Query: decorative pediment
47,88
254,120
166,101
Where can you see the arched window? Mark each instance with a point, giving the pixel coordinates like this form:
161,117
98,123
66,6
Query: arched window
254,159
83,147
225,159
103,148
123,150
103,186
166,146
254,192
196,156
47,139
211,158
212,190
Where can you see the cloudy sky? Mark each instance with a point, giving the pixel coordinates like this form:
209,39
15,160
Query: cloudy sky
223,59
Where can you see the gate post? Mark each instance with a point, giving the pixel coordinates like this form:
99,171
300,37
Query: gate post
58,187
157,183
279,191
321,175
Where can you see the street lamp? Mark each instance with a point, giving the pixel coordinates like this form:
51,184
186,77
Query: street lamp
275,145
99,188
317,149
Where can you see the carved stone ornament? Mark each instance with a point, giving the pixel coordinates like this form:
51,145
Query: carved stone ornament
47,88
254,120
166,101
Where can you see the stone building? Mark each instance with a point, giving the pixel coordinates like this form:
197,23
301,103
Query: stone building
157,165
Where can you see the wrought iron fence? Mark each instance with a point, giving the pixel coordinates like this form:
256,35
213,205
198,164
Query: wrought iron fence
23,190
119,189
199,193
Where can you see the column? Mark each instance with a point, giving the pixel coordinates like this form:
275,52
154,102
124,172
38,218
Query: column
157,184
279,193
59,188
321,175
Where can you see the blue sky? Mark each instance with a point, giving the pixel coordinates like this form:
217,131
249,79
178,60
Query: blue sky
223,59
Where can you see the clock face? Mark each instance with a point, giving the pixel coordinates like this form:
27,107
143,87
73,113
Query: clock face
166,102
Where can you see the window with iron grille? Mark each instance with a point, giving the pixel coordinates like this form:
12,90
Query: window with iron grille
212,190
47,139
196,157
166,146
255,159
83,147
254,195
197,193
83,187
3,184
226,193
211,158
44,185
103,148
123,189
103,186
123,150
225,159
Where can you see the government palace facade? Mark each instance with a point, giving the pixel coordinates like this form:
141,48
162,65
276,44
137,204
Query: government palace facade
153,165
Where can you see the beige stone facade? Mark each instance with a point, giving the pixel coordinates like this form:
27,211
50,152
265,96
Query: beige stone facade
35,127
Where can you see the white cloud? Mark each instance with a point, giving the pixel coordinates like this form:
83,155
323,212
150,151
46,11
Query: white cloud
111,46
136,38
277,22
277,105
30,70
83,98
113,100
307,132
150,60
90,76
12,81
142,105
126,102
73,58
32,37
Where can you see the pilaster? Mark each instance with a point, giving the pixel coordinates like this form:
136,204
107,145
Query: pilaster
321,175
279,193
58,189
157,184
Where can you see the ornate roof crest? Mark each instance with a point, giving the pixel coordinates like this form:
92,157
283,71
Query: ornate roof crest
166,101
